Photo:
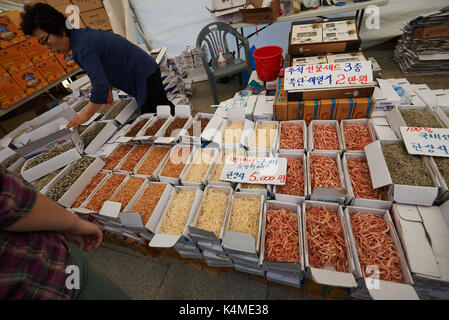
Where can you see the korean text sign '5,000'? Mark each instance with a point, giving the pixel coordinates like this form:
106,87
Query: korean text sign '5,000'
255,170
332,75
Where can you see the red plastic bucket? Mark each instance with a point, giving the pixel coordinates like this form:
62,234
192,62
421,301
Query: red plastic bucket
269,61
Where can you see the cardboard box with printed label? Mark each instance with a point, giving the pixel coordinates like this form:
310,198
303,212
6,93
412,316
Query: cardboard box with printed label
260,14
3,73
293,198
51,69
9,32
10,93
280,106
326,194
67,62
404,194
87,5
424,234
311,110
345,109
361,202
14,59
96,19
379,289
30,80
363,108
295,110
311,137
35,51
385,96
304,135
328,276
326,109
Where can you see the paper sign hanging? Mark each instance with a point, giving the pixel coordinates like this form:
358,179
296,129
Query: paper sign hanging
426,141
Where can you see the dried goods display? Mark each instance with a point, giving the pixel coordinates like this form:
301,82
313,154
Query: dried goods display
443,167
50,154
199,166
117,156
281,237
134,157
178,212
325,240
405,168
135,130
127,191
294,184
10,161
152,160
264,136
375,247
80,106
68,178
89,189
233,133
362,185
155,127
325,137
213,211
357,136
90,135
245,214
148,201
174,128
198,127
105,192
42,182
419,118
176,162
117,109
292,136
324,173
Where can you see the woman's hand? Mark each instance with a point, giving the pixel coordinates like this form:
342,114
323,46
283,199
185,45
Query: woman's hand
88,232
79,120
110,98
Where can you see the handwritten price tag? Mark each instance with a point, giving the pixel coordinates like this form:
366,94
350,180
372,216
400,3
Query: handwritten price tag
426,141
255,170
328,75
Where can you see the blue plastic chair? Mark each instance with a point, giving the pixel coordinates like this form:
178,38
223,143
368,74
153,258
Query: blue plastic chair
214,36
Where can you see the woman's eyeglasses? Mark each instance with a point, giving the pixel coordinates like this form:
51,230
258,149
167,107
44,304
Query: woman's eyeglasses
44,41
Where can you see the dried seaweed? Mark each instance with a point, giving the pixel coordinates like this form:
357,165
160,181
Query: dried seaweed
405,168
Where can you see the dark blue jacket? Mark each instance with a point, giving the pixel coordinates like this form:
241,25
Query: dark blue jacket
112,61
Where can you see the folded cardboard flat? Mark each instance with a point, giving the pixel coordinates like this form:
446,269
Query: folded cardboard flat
241,242
324,276
404,194
383,130
380,289
360,202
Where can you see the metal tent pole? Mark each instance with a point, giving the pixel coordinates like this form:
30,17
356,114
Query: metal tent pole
139,27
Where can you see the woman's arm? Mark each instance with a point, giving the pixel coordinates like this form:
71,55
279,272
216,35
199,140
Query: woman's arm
84,116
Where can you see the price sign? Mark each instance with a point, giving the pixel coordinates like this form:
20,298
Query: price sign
426,141
332,75
255,170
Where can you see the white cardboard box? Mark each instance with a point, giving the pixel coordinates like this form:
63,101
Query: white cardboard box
385,95
196,140
61,111
304,126
41,132
162,240
289,267
333,123
55,163
326,194
396,121
70,196
424,92
401,193
360,202
119,166
126,114
163,112
240,242
444,189
289,198
180,112
123,138
323,276
224,152
440,111
366,122
174,155
153,176
198,234
207,155
383,130
382,290
252,139
101,138
286,278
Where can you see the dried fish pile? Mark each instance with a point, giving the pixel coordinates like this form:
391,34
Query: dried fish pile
50,154
42,182
420,119
443,167
117,109
65,181
90,135
404,168
10,161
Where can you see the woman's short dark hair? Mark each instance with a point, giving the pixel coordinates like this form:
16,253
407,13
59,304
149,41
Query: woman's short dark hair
45,17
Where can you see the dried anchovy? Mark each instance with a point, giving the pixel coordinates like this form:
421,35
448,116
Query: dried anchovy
10,161
419,118
443,167
81,129
176,124
135,130
151,131
81,106
65,181
117,109
50,154
89,136
18,170
204,123
42,182
405,168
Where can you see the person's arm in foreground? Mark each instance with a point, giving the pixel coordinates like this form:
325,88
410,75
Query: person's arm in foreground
47,215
